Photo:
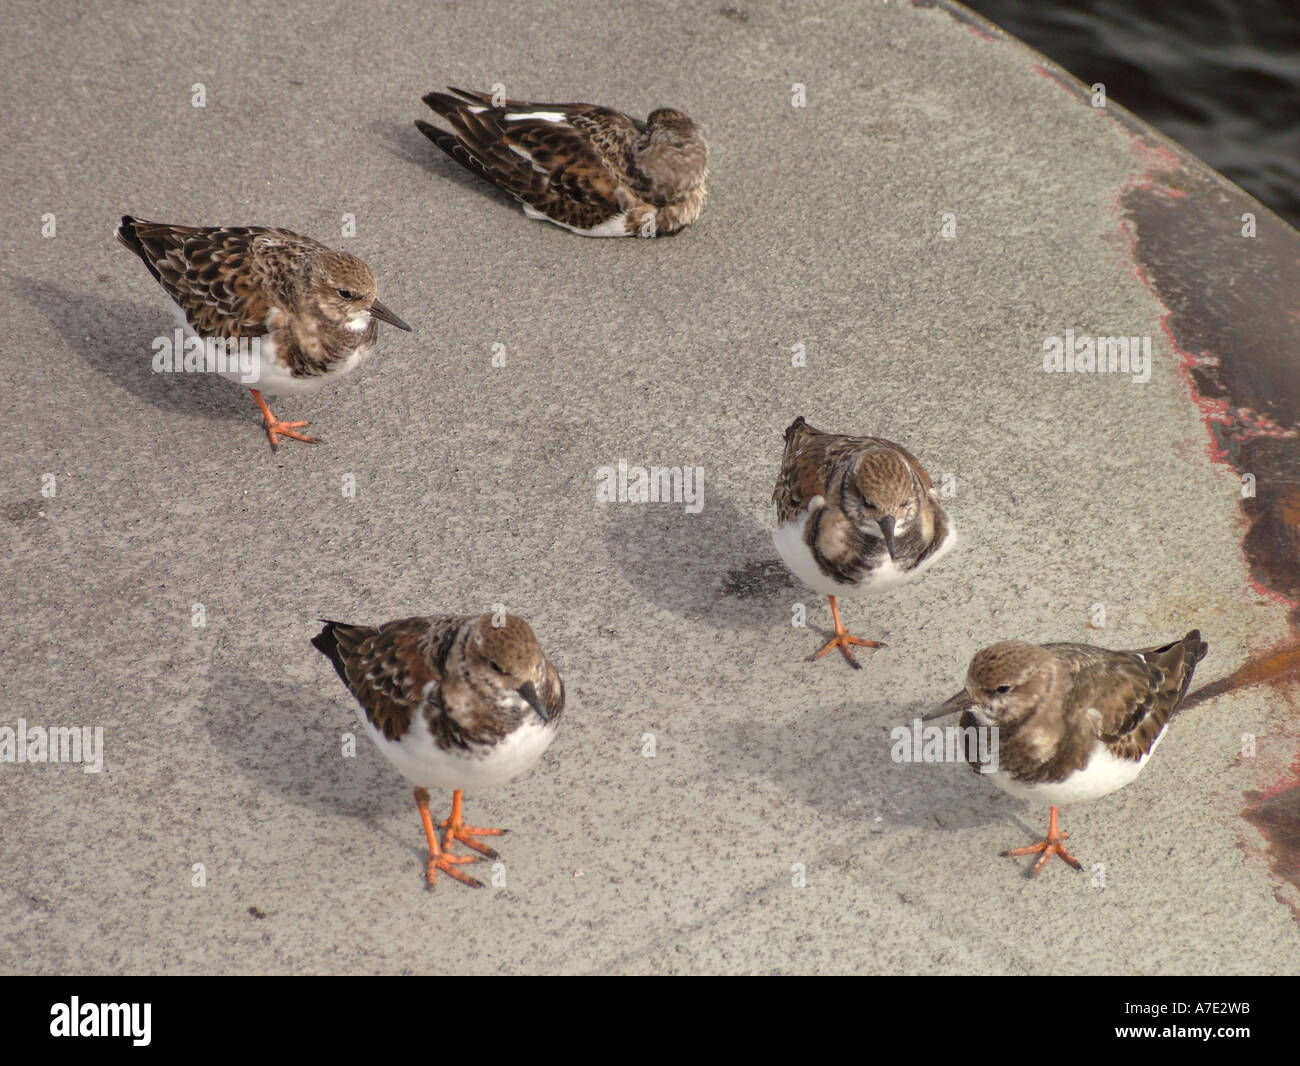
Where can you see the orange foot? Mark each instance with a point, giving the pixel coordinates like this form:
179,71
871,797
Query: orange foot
1050,846
438,858
275,429
844,640
466,834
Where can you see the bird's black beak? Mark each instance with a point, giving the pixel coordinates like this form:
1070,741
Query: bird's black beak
529,692
887,528
379,311
960,702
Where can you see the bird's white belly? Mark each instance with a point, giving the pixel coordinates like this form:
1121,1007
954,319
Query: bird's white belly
886,575
788,538
273,377
269,374
611,227
1103,775
419,759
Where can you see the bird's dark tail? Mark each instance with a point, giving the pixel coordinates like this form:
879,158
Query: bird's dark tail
327,643
477,141
128,235
1193,651
453,146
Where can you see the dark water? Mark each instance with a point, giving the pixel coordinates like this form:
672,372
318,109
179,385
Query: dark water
1221,77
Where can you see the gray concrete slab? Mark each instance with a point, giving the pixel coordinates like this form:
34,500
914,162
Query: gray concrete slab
476,485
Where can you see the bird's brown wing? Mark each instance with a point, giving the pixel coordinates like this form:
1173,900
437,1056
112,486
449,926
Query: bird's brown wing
213,274
477,96
1135,694
803,469
394,671
570,168
552,692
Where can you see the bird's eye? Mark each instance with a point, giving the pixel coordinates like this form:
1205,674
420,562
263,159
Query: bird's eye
347,294
1003,689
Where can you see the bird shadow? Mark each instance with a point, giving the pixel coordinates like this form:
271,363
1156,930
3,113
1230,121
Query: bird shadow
114,338
715,565
291,741
842,760
409,145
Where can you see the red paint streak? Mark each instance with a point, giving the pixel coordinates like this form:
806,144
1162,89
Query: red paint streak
981,33
1214,410
1157,168
1285,785
1260,589
1279,667
1053,76
1152,157
1150,184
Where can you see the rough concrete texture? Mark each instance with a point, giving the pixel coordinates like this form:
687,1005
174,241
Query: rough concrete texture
475,485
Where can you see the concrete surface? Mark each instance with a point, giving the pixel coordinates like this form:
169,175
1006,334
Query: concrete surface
476,485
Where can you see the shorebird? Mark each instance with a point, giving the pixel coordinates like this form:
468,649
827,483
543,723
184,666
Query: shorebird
1074,722
593,170
855,516
307,313
457,702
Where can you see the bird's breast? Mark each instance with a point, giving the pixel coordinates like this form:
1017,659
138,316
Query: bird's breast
422,760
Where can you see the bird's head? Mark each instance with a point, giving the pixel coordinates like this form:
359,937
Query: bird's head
506,660
673,152
1005,682
344,294
888,496
667,125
